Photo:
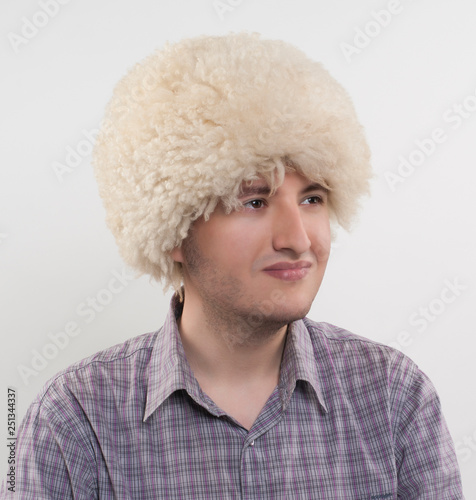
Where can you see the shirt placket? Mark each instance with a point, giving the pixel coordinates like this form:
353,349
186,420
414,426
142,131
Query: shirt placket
254,465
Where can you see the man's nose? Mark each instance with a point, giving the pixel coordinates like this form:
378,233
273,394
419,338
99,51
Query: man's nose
289,230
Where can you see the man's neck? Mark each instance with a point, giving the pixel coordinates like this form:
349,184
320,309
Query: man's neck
237,369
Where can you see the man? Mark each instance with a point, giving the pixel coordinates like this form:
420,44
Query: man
222,163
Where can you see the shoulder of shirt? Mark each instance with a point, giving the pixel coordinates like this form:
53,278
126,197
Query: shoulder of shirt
346,349
341,336
130,349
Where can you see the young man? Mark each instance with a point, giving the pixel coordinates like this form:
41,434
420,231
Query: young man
222,163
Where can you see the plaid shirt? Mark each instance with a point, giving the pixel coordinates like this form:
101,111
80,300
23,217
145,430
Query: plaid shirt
349,419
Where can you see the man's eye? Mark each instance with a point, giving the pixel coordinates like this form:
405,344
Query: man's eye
254,204
313,200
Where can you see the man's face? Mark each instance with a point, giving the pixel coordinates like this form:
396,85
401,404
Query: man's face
262,264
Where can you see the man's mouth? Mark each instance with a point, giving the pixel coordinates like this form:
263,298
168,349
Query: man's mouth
288,271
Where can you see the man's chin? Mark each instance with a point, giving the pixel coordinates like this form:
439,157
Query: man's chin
284,316
294,309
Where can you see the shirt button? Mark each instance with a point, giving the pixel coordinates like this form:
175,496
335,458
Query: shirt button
252,443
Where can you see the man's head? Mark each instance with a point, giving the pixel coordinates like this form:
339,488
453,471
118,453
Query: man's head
262,264
197,120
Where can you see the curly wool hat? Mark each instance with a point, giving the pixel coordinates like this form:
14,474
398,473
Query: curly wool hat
190,123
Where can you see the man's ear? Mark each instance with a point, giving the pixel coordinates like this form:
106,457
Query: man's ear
177,254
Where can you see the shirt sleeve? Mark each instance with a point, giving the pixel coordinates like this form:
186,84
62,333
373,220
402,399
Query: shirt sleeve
425,455
52,462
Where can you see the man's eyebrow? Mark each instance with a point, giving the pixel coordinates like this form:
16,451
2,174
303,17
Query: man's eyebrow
315,186
263,190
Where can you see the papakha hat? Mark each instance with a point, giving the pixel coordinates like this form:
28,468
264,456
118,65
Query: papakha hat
190,123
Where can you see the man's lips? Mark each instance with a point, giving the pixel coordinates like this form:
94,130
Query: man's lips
288,271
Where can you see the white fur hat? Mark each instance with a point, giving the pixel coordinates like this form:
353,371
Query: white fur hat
190,123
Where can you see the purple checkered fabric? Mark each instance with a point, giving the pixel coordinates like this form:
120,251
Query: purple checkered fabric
350,419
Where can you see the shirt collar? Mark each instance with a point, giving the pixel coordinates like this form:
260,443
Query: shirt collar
299,363
169,370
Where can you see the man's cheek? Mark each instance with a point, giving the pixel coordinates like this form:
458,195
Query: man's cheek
321,245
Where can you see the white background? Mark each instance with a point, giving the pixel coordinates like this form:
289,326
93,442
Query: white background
405,79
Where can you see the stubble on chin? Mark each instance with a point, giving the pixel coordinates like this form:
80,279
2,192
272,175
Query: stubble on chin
232,312
243,323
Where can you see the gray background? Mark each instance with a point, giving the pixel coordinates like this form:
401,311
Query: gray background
407,78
